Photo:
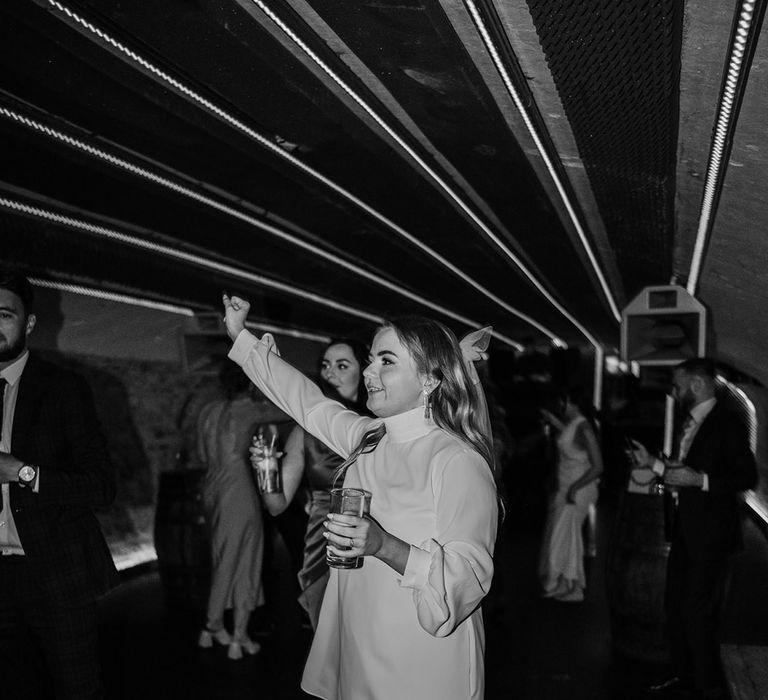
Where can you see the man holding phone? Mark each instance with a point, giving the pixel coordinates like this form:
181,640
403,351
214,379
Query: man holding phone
714,463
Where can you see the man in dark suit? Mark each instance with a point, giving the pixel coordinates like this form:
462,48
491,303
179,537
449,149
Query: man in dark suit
54,469
715,463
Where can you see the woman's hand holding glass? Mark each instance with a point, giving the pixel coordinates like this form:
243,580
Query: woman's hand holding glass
352,536
259,451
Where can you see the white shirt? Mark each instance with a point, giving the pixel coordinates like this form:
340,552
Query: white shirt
9,537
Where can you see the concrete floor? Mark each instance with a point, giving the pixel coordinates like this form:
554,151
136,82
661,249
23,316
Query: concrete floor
537,649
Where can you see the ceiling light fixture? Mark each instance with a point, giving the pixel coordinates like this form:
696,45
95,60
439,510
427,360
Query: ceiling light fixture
220,113
166,251
169,308
721,143
111,296
216,204
513,93
476,220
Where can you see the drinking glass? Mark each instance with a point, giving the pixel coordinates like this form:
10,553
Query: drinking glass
347,501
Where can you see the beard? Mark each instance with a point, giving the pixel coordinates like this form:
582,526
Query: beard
687,400
13,350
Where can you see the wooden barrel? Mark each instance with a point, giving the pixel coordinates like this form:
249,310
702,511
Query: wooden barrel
636,574
182,539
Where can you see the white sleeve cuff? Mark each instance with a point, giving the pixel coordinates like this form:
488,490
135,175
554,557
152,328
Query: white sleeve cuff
36,485
416,569
242,346
705,482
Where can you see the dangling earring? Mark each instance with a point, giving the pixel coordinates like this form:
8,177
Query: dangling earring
427,407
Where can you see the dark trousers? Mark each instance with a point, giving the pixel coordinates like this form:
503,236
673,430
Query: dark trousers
693,600
45,641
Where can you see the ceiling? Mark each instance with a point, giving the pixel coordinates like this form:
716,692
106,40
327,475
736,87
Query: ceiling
532,165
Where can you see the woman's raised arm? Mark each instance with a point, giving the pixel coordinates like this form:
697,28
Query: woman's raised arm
284,385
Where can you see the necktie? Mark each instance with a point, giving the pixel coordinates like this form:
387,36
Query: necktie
3,382
684,439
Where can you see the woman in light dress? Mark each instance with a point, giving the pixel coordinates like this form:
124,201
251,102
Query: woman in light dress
408,624
580,463
308,459
233,511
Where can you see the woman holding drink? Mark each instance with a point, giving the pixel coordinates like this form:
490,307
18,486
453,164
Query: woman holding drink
232,510
407,624
341,378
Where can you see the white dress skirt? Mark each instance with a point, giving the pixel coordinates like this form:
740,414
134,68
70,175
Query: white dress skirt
561,564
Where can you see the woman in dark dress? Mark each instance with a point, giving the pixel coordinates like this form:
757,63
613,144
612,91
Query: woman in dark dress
308,460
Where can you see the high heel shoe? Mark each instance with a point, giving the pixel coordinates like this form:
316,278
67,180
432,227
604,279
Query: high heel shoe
236,649
207,637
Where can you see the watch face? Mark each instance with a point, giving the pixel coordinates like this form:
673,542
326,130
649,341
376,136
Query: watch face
26,473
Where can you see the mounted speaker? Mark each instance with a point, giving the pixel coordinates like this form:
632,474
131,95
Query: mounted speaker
663,326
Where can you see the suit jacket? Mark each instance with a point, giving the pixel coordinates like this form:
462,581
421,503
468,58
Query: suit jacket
707,522
56,428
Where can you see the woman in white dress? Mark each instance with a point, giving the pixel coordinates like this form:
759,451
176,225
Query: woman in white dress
580,463
408,624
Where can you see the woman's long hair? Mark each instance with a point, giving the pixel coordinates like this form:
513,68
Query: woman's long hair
436,352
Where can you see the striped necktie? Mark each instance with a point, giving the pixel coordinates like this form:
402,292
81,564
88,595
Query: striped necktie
686,431
3,383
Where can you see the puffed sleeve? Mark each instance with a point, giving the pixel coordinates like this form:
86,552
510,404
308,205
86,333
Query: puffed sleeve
451,573
339,428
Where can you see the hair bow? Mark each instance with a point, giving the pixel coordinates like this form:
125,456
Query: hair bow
474,346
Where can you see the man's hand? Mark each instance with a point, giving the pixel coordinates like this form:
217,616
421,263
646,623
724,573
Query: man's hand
642,458
235,313
9,468
683,477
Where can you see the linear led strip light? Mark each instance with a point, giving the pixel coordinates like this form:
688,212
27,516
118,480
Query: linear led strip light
597,386
715,168
513,93
168,308
169,252
433,175
242,216
267,143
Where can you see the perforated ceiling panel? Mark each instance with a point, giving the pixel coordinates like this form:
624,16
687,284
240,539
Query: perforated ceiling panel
616,67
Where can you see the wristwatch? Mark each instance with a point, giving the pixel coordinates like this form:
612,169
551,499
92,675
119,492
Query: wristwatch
27,475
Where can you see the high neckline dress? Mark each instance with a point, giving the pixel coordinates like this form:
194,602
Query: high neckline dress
381,635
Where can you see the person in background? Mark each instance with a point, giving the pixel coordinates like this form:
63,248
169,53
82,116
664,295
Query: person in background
225,429
407,624
579,465
341,378
54,470
713,465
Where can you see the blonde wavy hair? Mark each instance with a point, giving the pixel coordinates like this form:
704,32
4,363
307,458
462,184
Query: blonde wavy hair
454,403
